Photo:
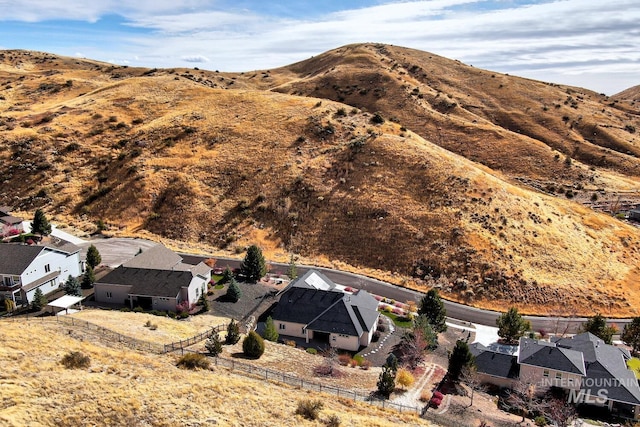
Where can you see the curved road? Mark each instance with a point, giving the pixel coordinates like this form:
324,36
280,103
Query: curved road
115,251
455,311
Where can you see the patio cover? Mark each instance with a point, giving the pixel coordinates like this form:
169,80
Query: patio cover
65,302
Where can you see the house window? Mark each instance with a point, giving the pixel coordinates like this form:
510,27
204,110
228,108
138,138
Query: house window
545,373
282,326
108,294
47,268
558,375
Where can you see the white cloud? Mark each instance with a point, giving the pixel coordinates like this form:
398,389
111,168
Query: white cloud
568,40
195,58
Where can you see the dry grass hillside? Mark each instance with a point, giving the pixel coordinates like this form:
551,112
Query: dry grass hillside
213,159
122,387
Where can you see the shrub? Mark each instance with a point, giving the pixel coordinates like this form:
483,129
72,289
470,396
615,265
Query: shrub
366,364
76,360
381,327
404,378
377,119
290,343
312,350
358,359
425,396
253,345
193,361
309,409
138,309
125,309
540,420
153,326
375,337
333,421
344,359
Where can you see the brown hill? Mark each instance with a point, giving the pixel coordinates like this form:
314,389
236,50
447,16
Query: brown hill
631,95
178,154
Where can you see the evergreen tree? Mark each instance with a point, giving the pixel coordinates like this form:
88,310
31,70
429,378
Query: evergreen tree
254,266
253,345
386,382
227,275
39,300
459,359
88,278
432,306
233,333
214,344
391,362
93,257
427,329
270,332
631,334
204,302
233,292
40,223
597,325
72,287
292,271
511,326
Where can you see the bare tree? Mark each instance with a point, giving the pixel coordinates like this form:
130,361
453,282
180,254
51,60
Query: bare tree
559,410
523,397
471,378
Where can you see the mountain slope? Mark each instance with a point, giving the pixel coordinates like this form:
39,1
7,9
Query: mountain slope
155,151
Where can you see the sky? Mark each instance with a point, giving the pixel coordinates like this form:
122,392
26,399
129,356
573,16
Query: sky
590,43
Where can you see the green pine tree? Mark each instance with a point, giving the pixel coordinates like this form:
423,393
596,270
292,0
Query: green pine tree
233,292
511,326
227,275
72,287
233,333
432,306
597,325
214,344
386,382
270,331
204,302
292,271
40,223
254,266
88,278
93,257
39,300
631,334
459,359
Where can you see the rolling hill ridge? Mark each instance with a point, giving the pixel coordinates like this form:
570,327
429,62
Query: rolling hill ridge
341,160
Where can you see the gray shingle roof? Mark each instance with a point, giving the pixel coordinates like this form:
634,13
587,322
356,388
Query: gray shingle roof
157,257
606,368
148,282
494,363
547,355
313,300
10,219
15,258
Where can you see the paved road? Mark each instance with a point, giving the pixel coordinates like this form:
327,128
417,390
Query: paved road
455,311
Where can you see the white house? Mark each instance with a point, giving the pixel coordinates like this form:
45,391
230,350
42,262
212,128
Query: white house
25,268
314,308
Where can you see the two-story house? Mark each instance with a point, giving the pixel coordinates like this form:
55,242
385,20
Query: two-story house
25,268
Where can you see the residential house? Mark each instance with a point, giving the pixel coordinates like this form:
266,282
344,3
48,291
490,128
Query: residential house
590,371
496,364
25,268
9,225
314,308
156,279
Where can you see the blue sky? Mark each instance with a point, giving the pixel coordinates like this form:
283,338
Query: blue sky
589,43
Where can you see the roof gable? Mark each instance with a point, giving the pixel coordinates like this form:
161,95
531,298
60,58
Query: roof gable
547,355
494,363
157,257
15,258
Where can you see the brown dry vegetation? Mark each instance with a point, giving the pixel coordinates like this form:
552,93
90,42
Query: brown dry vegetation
220,161
123,387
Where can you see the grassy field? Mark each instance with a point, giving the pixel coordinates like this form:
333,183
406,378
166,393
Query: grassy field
124,387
